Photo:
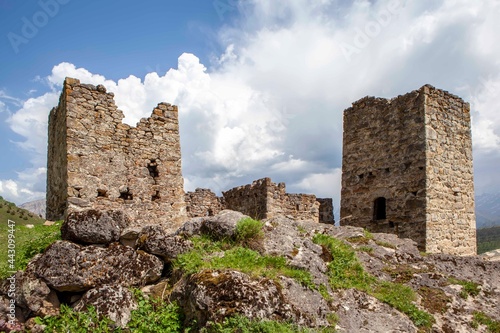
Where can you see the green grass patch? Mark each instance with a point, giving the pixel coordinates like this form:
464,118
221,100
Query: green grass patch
151,315
248,228
481,318
77,322
155,315
345,271
469,288
208,254
242,324
365,248
28,243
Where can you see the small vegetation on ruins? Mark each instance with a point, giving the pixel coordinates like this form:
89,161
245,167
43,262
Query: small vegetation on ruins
210,254
469,288
151,315
345,271
480,318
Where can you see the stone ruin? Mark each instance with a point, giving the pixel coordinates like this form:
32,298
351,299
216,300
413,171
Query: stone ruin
97,162
407,169
262,199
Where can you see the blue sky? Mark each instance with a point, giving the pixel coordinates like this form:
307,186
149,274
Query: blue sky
260,85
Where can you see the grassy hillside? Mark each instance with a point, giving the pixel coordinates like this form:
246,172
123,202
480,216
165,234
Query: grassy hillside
28,240
488,239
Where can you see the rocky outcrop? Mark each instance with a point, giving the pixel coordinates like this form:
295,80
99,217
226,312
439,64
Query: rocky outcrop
94,227
451,289
113,301
67,266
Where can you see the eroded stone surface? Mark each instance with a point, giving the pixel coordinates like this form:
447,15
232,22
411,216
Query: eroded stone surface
113,301
66,266
155,240
94,227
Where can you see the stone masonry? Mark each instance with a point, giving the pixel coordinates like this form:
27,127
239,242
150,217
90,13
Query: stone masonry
407,169
264,199
96,161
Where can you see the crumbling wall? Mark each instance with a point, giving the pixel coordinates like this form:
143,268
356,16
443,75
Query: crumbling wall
326,210
203,202
396,167
265,199
249,199
96,161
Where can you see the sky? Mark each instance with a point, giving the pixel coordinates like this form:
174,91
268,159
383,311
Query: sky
260,85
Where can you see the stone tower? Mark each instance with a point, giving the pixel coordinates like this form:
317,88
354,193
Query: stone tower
407,169
96,161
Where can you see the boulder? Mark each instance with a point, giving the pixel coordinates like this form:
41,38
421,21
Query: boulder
220,226
359,312
67,266
155,240
112,301
212,295
31,294
94,227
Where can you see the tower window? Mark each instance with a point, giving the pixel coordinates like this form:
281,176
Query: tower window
379,209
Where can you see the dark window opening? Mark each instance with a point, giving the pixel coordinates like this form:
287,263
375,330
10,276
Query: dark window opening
156,196
414,193
391,224
379,209
102,193
210,212
153,168
126,195
387,170
361,176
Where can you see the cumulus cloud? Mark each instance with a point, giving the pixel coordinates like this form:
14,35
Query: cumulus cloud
271,104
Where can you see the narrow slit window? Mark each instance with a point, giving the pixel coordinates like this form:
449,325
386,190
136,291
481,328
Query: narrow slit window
379,209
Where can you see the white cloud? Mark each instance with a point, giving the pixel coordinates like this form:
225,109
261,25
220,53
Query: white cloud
281,85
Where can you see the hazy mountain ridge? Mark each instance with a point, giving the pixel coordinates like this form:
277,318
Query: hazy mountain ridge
36,207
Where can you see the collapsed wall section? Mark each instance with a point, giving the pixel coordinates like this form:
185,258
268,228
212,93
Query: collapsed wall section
96,161
203,202
264,199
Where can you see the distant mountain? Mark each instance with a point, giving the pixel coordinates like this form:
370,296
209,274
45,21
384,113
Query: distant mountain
36,207
487,210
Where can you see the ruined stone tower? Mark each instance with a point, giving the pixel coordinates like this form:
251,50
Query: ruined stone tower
96,161
407,169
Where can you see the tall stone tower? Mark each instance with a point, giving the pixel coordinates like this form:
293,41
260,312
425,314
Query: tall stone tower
96,161
407,169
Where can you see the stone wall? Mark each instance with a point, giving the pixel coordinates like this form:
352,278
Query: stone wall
451,223
96,161
392,177
264,199
203,202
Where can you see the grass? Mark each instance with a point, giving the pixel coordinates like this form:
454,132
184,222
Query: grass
469,288
208,254
28,241
493,326
242,324
345,271
152,315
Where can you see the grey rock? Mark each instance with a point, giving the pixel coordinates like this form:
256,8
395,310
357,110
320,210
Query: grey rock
212,295
66,266
155,240
94,227
112,301
359,312
223,225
